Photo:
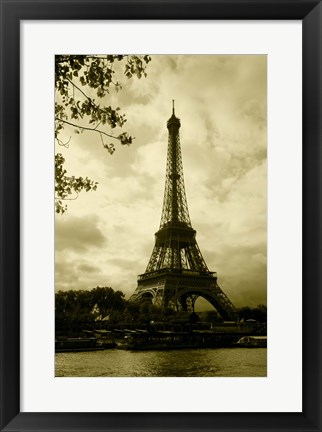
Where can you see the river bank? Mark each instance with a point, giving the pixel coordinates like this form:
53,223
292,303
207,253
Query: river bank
139,339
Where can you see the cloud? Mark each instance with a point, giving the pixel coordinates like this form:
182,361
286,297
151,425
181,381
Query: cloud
70,274
78,233
87,268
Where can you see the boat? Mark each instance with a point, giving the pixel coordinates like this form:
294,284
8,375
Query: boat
136,340
140,340
252,342
77,345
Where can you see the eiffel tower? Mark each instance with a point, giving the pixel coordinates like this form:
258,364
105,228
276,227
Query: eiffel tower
177,273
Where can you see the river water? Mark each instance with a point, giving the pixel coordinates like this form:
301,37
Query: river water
220,362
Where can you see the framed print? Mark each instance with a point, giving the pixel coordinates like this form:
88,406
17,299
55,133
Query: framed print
224,103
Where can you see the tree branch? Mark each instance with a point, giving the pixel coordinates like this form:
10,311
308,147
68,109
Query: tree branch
81,91
86,128
61,143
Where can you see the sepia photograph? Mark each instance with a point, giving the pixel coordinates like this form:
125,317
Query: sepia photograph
160,215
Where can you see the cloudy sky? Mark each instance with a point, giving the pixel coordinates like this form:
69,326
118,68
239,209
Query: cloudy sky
106,237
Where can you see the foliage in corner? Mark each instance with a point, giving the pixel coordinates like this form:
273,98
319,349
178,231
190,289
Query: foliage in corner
68,188
81,81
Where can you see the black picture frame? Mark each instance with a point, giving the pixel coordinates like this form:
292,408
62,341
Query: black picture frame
12,12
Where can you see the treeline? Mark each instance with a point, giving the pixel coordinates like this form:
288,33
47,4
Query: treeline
80,309
104,308
259,313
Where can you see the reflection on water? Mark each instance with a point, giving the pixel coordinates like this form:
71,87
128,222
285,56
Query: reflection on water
224,362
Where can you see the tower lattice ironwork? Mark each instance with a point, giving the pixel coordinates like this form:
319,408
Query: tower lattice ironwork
177,273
